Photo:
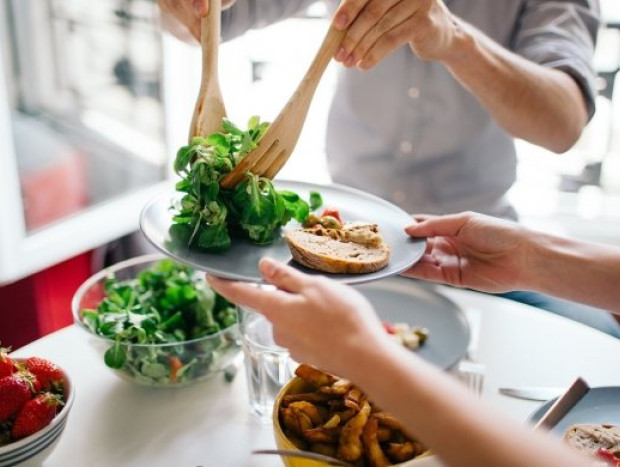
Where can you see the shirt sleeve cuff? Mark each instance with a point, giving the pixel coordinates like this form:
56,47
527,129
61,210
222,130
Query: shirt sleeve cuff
577,67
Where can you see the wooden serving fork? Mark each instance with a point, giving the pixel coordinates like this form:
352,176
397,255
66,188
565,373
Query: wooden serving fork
278,142
209,110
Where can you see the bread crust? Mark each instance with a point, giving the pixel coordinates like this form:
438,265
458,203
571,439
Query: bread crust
331,255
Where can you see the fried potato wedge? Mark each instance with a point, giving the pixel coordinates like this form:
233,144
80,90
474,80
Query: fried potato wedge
350,447
354,398
404,451
340,387
323,435
296,421
373,450
309,409
315,377
333,422
389,421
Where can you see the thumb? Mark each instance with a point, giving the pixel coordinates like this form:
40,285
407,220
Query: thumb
282,276
444,226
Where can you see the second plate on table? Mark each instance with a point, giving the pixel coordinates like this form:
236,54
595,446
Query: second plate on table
401,300
240,262
600,405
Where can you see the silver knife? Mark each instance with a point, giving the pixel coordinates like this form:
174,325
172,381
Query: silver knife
532,393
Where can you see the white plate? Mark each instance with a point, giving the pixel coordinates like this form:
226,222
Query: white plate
240,262
402,300
599,405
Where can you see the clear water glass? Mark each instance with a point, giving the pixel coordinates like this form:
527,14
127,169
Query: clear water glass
267,365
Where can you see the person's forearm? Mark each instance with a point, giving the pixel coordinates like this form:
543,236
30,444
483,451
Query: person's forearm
574,270
452,422
541,105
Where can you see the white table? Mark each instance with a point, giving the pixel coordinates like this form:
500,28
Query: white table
115,423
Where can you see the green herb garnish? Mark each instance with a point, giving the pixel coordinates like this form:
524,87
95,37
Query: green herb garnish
316,201
207,215
166,305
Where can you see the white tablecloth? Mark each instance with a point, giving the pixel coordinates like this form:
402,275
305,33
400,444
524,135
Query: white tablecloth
115,423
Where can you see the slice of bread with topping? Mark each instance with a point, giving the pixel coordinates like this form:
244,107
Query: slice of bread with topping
592,437
357,248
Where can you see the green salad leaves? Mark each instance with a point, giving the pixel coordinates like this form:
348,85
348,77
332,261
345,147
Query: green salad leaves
207,215
149,316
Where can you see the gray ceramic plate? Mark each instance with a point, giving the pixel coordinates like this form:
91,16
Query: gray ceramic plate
599,405
240,262
397,299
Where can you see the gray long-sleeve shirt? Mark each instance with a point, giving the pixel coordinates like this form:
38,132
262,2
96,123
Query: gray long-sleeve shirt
409,132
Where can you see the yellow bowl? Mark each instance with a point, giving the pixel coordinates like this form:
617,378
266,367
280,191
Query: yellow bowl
299,386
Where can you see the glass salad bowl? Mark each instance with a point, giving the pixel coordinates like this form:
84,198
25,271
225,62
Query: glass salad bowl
156,322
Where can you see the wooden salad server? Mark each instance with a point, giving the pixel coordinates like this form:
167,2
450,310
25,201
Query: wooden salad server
278,142
210,109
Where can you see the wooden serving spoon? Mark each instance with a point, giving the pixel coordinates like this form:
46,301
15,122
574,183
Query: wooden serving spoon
209,110
278,142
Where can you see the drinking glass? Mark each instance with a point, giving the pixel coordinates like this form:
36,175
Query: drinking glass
267,365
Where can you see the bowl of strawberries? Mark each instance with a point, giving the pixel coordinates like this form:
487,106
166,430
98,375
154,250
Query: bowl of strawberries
35,400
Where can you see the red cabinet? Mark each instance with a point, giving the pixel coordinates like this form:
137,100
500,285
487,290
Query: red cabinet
41,303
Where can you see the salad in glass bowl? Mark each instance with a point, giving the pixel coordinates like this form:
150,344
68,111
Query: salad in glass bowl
157,322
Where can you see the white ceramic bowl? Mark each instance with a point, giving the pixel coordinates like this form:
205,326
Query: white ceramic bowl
32,450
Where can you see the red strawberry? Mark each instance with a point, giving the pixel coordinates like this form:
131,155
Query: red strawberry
46,372
6,364
15,391
22,371
37,413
